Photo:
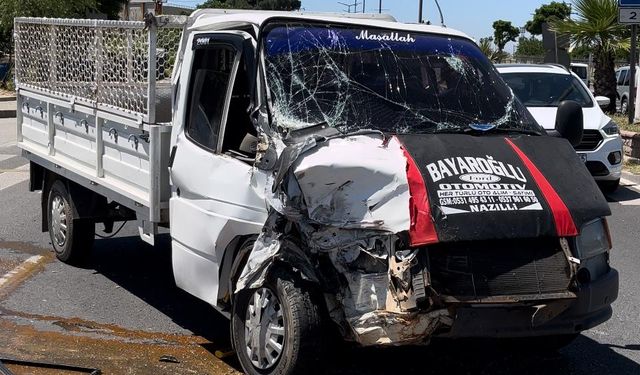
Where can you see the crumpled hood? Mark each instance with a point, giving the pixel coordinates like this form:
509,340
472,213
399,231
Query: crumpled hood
450,187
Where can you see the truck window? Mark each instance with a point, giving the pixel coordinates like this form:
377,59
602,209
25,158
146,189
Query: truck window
210,79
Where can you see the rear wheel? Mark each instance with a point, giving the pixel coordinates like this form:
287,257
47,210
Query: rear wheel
277,329
71,238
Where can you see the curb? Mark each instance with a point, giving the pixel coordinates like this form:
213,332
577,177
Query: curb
631,143
7,98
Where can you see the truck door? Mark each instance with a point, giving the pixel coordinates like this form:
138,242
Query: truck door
217,196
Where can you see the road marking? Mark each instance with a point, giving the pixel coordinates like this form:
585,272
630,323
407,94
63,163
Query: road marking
22,269
13,177
634,202
627,183
22,168
631,186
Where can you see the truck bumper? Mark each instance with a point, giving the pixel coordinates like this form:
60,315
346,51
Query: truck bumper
591,308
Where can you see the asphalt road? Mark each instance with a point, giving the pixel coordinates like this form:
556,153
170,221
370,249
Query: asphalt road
121,312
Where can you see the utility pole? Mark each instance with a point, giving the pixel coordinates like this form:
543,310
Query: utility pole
420,11
364,6
354,5
380,7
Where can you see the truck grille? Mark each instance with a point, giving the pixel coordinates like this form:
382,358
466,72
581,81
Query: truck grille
591,139
499,268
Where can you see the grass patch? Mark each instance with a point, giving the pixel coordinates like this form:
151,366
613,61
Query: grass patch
623,122
632,167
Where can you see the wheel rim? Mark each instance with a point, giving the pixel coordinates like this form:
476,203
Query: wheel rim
59,221
264,329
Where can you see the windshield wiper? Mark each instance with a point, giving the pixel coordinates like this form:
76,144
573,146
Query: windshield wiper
467,130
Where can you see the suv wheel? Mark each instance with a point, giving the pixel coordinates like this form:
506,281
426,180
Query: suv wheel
276,329
623,105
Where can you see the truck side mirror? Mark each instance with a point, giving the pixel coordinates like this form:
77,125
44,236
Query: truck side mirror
569,122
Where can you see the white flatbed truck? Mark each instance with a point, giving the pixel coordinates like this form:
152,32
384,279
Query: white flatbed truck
280,149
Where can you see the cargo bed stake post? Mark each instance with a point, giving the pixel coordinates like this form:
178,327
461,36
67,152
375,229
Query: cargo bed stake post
99,146
129,56
154,173
152,28
154,132
17,69
99,120
51,126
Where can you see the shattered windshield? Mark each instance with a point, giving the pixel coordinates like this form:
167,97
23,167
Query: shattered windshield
354,78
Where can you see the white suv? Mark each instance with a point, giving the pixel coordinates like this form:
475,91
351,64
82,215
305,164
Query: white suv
542,87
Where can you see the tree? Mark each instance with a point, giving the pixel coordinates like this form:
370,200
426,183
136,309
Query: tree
503,33
253,4
487,47
111,8
596,26
547,13
530,47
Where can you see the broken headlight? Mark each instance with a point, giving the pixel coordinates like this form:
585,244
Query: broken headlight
594,239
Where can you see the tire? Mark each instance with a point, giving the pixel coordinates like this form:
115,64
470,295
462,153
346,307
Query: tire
298,313
609,186
623,106
71,238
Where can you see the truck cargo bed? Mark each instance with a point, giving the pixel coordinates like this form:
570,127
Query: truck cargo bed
89,110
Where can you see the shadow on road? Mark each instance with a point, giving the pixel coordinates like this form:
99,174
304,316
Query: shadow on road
146,272
623,194
584,356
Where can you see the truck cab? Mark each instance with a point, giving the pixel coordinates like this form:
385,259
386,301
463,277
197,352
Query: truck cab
328,174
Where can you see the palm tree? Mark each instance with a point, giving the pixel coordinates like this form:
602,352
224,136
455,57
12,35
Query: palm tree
596,26
495,55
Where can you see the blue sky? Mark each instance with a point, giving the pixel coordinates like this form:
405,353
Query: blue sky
473,17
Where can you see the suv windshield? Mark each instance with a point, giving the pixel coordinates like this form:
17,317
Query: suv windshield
356,77
547,89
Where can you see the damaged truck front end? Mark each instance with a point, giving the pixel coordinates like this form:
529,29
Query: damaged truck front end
415,195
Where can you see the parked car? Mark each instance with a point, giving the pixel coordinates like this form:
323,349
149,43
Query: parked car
541,88
622,79
319,174
582,71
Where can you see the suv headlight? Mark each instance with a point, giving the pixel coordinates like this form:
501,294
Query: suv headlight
611,128
594,239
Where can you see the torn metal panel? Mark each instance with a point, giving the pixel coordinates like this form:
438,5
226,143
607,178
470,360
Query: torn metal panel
388,328
356,182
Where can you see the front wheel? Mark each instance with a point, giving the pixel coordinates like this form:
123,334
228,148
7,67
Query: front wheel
71,238
623,106
277,329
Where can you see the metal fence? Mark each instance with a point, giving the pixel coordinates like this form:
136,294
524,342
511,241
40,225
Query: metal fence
103,63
